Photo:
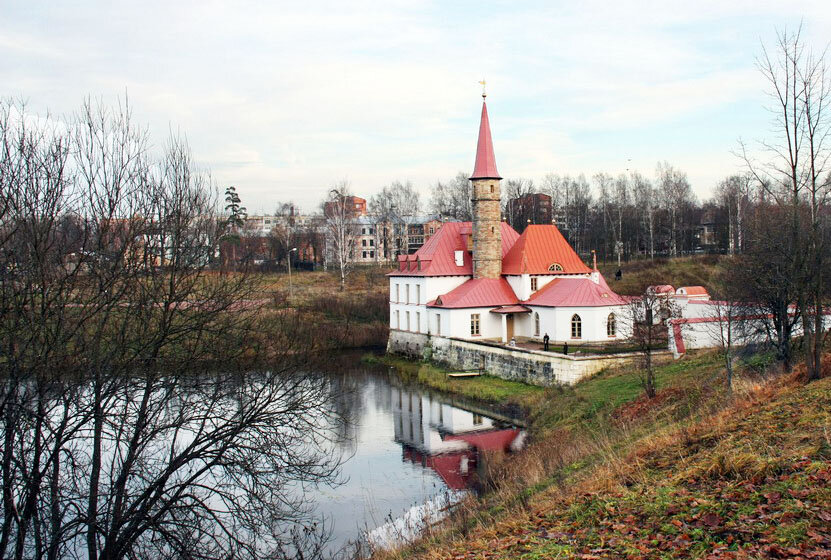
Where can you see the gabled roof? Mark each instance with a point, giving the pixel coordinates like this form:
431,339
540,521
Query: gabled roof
438,254
538,249
574,292
485,166
478,292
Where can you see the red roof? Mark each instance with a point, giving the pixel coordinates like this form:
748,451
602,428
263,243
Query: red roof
538,249
661,289
478,292
693,290
438,255
485,166
575,292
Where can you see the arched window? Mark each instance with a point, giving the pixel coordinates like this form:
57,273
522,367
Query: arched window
536,324
611,327
556,267
576,326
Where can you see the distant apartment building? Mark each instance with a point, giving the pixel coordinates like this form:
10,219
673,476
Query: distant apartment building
419,230
534,208
375,238
354,205
368,245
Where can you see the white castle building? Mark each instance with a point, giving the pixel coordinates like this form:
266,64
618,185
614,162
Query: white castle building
481,280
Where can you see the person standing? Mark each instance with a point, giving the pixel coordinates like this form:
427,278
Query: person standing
565,348
545,340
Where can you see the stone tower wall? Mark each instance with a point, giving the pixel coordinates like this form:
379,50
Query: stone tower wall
487,233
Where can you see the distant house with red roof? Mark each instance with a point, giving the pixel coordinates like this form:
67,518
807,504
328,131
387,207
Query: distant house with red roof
481,280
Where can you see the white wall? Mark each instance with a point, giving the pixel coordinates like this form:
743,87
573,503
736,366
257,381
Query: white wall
440,285
418,419
556,321
421,290
456,322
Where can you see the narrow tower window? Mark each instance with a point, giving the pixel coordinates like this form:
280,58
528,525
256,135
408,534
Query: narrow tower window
611,327
536,324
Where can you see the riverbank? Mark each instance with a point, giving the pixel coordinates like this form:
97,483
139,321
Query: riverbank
311,310
696,471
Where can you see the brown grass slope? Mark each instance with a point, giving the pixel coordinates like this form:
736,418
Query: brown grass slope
747,479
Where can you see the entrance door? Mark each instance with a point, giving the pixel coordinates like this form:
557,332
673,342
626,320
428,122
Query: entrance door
509,321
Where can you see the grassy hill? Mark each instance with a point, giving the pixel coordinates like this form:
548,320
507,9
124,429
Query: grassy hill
695,472
701,270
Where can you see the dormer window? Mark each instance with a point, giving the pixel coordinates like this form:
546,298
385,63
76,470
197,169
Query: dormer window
555,267
460,258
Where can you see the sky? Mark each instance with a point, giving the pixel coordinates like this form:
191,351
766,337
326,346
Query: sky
285,99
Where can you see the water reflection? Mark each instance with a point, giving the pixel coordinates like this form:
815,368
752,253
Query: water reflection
402,447
445,438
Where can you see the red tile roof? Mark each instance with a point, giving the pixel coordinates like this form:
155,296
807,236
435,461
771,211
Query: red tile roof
485,166
437,255
538,248
574,292
661,289
692,291
477,292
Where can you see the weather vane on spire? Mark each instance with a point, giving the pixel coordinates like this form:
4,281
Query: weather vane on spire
484,93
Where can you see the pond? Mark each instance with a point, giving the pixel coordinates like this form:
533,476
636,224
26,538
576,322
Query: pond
402,447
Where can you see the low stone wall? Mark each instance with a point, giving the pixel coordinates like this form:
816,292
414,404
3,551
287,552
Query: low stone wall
407,343
517,364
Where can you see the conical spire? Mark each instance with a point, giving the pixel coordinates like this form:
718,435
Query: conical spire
485,166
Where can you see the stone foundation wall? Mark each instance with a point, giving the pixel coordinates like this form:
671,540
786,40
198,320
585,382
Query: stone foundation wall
407,343
517,364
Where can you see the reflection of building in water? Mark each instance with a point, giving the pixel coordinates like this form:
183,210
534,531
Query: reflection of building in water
445,438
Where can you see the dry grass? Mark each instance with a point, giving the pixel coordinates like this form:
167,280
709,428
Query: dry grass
608,492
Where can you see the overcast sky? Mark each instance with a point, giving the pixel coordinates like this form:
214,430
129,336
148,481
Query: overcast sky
283,99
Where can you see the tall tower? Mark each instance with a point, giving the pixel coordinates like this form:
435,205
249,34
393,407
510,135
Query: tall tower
487,233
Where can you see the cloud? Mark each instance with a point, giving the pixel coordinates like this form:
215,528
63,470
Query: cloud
283,99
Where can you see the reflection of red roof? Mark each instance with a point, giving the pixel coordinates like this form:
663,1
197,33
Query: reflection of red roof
574,292
485,166
538,249
494,440
438,255
447,465
478,292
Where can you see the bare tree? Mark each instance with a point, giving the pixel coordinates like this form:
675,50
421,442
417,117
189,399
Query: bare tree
119,438
644,194
676,195
731,322
795,172
341,228
452,199
648,316
734,194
